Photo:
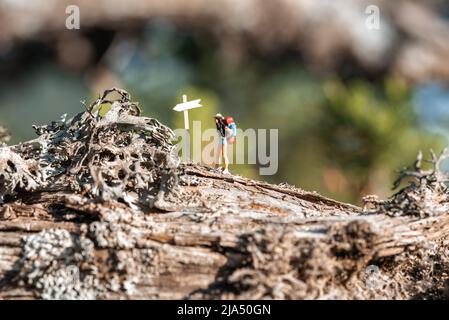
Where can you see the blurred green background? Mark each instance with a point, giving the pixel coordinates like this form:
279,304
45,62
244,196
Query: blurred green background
349,112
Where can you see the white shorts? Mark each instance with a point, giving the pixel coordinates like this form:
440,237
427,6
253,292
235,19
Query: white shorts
222,140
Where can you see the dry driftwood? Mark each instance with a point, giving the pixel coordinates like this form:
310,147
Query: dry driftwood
100,207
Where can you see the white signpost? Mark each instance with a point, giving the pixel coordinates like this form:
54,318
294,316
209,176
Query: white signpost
186,106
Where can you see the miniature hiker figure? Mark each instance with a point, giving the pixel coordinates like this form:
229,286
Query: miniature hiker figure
222,143
227,131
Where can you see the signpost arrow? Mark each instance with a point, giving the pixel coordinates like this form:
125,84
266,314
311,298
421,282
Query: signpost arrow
185,106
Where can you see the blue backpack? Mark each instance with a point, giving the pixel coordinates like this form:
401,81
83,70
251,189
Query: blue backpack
233,127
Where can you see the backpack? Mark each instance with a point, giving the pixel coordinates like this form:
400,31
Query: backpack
231,125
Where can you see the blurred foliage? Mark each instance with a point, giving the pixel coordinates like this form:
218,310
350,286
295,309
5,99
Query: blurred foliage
343,136
370,130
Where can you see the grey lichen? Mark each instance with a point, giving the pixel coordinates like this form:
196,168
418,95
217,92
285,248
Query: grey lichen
119,155
99,157
52,263
426,195
58,265
16,173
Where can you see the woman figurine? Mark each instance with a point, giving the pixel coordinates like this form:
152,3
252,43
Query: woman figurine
224,133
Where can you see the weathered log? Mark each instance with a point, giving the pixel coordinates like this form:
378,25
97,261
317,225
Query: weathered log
208,235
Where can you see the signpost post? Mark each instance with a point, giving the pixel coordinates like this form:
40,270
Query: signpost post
185,106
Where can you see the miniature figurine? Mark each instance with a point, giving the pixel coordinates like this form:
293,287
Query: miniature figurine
227,131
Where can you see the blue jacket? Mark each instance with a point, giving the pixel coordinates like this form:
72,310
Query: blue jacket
233,127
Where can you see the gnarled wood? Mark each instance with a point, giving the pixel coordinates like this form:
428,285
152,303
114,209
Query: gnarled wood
200,234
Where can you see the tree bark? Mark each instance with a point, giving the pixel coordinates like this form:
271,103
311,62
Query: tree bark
193,249
123,219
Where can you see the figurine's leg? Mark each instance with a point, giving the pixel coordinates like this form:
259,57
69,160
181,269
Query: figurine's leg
225,157
218,153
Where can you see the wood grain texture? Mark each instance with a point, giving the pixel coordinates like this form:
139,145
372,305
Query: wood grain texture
101,207
183,252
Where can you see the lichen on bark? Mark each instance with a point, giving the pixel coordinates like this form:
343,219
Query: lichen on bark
119,156
100,207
